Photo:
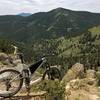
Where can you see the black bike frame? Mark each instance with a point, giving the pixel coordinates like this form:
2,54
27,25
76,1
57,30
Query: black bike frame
38,64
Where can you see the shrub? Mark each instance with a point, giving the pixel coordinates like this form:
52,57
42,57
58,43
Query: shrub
54,89
98,78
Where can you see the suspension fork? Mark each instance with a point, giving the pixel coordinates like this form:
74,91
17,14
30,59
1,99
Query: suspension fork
48,71
26,77
48,67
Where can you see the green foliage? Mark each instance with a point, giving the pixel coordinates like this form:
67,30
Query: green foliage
56,32
77,98
54,89
68,51
87,43
98,78
5,46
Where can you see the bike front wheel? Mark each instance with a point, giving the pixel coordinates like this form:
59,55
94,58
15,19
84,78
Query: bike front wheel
52,74
10,82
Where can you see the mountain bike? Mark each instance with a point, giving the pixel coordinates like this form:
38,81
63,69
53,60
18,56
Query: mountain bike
11,80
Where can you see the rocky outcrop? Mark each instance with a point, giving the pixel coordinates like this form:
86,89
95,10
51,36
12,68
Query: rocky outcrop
3,56
81,95
9,61
90,73
77,71
78,87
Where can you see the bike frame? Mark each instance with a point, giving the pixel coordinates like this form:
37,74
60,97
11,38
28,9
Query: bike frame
38,64
29,71
25,74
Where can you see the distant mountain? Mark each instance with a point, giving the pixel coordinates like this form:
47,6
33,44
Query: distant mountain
45,25
25,14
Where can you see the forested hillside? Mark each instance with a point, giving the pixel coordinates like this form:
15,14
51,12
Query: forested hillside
73,36
53,24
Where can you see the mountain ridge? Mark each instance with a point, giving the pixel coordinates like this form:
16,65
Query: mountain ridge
53,24
25,14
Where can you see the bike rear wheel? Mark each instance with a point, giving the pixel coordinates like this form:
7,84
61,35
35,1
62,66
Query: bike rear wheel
11,82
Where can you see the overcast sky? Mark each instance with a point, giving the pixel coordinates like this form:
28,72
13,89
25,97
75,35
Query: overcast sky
33,6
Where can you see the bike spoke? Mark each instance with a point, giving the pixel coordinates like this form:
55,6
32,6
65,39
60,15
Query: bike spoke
10,82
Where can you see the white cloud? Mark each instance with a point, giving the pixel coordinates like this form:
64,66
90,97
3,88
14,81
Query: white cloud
88,5
33,6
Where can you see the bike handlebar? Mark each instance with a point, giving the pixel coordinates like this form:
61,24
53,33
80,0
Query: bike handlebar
47,55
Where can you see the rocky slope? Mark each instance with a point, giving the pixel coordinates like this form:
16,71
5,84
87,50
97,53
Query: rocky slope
80,85
9,61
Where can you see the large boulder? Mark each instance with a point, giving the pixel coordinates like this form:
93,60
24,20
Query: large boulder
77,71
91,77
79,89
81,95
77,84
16,62
3,56
21,66
90,73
